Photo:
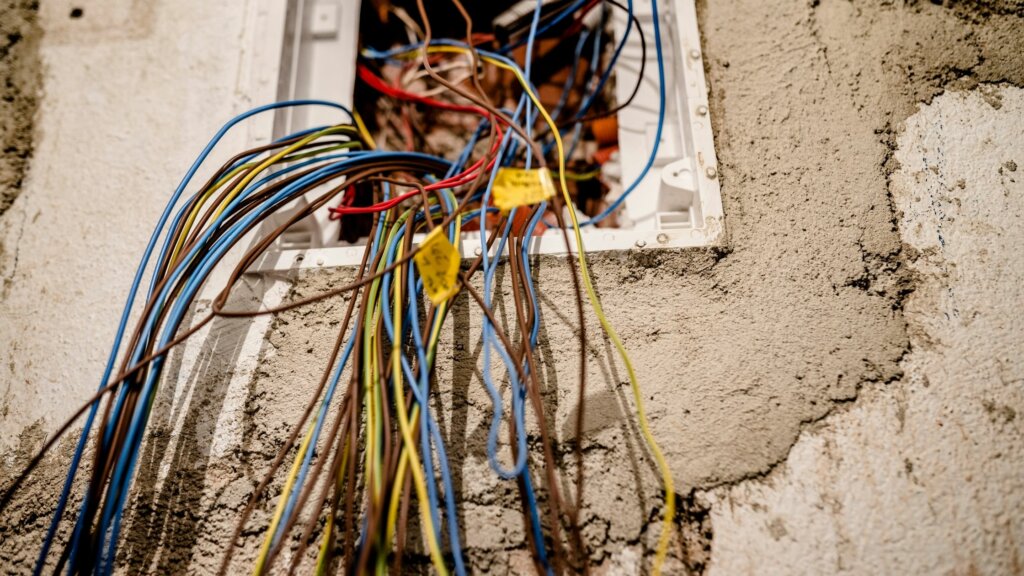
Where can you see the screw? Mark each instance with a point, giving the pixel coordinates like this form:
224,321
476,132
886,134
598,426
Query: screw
477,251
662,238
640,243
702,110
695,54
711,172
319,261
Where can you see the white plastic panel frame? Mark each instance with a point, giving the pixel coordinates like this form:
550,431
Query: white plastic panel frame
677,205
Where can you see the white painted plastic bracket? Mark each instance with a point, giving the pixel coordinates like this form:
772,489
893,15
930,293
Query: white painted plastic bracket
677,204
314,59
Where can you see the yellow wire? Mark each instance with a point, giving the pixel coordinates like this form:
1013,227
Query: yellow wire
595,303
406,428
362,130
273,160
195,212
321,560
245,182
227,178
435,335
282,501
396,493
403,417
371,376
582,176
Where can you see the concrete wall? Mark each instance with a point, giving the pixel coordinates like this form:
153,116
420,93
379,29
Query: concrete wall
837,387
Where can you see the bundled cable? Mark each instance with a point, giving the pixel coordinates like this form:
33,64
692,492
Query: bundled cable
368,443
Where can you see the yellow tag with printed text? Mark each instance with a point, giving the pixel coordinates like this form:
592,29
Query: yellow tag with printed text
438,262
520,187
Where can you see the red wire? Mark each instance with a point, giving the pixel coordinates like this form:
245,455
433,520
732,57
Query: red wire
577,23
468,175
381,86
465,177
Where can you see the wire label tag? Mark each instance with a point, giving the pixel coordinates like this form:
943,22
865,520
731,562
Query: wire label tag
515,187
438,262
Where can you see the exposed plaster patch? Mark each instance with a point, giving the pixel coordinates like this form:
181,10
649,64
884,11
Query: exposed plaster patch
926,469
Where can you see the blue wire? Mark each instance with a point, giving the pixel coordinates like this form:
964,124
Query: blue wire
116,411
335,379
611,63
429,424
372,54
488,275
534,336
661,122
492,436
571,78
595,60
122,324
126,462
183,212
554,22
123,471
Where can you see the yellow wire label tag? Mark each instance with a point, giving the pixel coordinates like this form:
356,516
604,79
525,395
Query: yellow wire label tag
515,187
438,262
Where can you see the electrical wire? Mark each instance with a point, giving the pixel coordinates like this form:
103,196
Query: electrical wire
361,452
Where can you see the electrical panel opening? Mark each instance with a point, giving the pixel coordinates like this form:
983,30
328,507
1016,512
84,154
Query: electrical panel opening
609,121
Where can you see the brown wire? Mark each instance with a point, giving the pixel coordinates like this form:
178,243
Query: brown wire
345,418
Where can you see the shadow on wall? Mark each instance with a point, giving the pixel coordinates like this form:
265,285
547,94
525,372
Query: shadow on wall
170,489
185,507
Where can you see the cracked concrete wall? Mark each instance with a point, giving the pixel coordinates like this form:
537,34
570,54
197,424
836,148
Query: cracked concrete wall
820,410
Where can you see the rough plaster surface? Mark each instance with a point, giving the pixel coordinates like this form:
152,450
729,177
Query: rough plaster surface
19,84
108,154
739,348
924,475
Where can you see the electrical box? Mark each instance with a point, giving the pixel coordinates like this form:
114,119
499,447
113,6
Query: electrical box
312,54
